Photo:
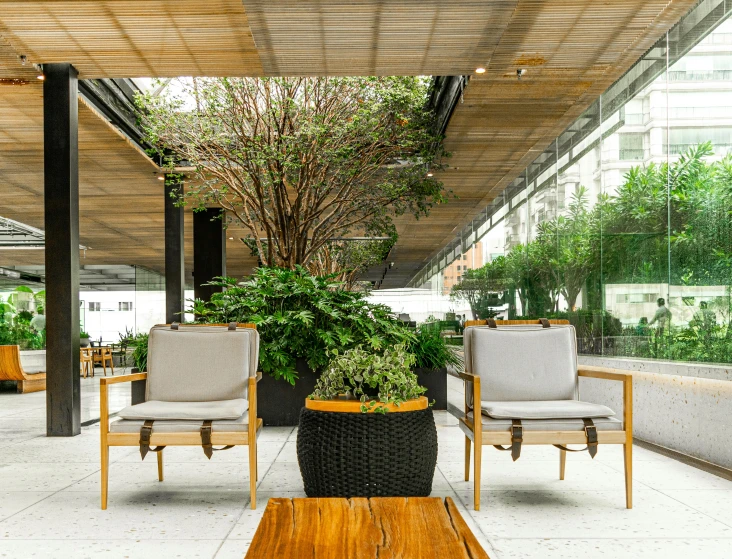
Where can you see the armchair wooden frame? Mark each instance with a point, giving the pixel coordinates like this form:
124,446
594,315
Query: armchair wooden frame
474,433
192,438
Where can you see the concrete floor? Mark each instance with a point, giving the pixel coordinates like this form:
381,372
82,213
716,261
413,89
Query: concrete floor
49,496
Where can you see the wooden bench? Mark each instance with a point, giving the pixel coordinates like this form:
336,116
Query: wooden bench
360,528
12,369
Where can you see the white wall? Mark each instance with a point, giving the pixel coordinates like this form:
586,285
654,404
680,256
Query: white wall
148,309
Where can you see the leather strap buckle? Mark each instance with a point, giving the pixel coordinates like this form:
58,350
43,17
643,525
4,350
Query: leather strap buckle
591,434
208,448
145,433
517,437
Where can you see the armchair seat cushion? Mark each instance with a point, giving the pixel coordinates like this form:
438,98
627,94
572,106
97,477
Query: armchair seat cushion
161,410
181,426
602,424
545,409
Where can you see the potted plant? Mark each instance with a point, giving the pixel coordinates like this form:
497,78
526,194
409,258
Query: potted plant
432,358
301,319
84,339
367,429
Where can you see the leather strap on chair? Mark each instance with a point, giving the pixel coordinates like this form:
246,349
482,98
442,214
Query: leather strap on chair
591,434
145,432
517,437
174,326
491,323
544,323
208,448
232,326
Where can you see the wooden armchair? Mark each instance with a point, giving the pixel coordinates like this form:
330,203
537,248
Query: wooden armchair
524,378
12,369
200,389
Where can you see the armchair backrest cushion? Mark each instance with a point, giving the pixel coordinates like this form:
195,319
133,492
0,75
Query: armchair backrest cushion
523,363
200,363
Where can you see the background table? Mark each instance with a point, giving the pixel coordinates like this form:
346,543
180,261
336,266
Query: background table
360,528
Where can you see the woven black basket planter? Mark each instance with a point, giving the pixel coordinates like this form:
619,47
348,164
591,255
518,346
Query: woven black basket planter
367,454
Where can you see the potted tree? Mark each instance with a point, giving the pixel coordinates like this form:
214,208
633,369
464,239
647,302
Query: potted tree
432,358
84,339
367,429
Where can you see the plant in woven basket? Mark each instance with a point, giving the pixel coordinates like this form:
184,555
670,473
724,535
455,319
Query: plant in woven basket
375,379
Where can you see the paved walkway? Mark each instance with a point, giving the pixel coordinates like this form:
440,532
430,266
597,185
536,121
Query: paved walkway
49,496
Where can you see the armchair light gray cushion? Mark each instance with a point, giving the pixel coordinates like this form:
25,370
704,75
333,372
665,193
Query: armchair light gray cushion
523,363
545,409
602,424
180,426
159,410
200,364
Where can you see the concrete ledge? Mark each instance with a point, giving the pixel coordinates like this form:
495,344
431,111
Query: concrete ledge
678,368
689,414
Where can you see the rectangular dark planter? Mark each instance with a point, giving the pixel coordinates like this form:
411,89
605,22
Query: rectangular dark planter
278,402
435,381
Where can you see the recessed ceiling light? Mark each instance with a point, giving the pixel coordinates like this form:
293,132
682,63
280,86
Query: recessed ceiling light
480,70
231,238
41,77
161,178
429,174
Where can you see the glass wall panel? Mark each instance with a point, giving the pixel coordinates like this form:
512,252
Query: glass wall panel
700,182
622,223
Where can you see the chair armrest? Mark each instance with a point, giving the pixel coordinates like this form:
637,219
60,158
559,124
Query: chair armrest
604,373
626,377
470,377
124,378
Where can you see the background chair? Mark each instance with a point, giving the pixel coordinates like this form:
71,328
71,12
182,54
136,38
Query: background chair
200,390
87,361
103,355
522,388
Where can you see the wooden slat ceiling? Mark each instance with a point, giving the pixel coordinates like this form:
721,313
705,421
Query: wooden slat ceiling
120,198
572,50
133,38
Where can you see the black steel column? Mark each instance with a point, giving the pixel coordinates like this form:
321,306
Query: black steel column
209,251
174,252
61,191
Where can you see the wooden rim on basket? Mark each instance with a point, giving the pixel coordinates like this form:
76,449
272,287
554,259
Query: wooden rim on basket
354,406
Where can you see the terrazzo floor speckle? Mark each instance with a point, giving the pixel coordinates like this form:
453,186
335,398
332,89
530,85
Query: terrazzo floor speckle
49,496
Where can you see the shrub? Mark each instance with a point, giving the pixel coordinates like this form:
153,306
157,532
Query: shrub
431,350
301,316
374,379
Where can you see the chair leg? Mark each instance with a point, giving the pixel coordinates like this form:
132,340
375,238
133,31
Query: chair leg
111,365
253,473
467,459
628,459
160,465
477,456
562,462
105,475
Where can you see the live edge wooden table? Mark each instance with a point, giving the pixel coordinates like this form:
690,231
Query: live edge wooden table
360,528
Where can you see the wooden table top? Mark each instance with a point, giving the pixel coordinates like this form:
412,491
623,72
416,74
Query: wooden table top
360,528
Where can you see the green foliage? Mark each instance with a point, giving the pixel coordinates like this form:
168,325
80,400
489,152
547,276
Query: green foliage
139,354
302,163
482,288
431,351
625,238
21,334
15,328
83,334
375,379
300,315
